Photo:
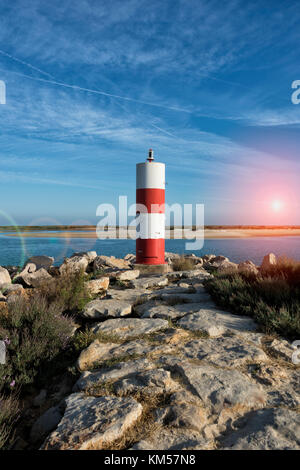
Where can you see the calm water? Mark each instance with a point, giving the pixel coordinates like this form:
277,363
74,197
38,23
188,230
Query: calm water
14,251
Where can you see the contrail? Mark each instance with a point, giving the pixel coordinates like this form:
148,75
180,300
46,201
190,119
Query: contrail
25,63
97,92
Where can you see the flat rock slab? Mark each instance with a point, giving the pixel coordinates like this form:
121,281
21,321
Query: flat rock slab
104,308
216,322
93,422
173,439
149,382
218,388
89,380
150,282
225,351
98,352
125,328
267,429
156,309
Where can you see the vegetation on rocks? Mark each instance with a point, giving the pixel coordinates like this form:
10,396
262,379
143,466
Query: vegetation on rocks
182,264
272,296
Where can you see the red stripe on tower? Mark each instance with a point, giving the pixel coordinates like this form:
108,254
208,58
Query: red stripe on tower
150,192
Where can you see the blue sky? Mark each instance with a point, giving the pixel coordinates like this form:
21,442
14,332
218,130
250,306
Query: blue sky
91,85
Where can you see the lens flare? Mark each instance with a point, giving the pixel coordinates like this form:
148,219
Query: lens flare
277,205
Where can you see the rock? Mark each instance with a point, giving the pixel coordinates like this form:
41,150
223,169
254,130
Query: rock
75,264
4,277
223,351
41,261
109,261
215,322
125,328
227,267
268,429
96,286
173,439
282,349
185,411
200,274
34,279
105,308
150,382
150,282
269,261
218,387
128,275
130,257
46,423
13,288
93,422
169,311
90,380
247,267
40,399
98,352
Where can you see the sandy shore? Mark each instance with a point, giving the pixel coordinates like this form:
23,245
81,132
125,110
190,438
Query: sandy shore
176,234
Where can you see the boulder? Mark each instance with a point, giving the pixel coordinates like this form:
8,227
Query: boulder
125,328
46,423
219,388
268,429
75,264
247,267
91,380
269,261
227,267
128,275
150,382
41,261
105,308
223,352
96,286
93,422
282,349
101,262
12,288
130,257
4,277
33,279
97,353
150,282
216,322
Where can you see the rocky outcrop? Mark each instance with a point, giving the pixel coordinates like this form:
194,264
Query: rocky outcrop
4,277
97,286
41,261
166,369
93,422
269,261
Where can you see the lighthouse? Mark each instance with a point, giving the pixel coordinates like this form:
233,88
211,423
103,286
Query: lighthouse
150,200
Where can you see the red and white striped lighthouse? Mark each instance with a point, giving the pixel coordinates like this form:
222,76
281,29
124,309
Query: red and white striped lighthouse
150,191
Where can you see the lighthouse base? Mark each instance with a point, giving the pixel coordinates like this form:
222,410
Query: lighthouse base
152,268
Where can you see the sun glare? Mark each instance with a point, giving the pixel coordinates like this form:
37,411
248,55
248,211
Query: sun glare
277,205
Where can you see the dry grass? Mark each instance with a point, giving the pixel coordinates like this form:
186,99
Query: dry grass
183,264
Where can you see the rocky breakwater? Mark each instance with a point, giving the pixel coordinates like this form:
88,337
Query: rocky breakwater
166,368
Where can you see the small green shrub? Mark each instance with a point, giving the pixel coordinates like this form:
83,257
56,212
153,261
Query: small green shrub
35,333
69,291
9,413
272,297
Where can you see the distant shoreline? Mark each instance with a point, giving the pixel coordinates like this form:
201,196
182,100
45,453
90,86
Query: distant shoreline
210,233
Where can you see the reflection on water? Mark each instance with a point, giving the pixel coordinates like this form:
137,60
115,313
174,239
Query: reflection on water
235,249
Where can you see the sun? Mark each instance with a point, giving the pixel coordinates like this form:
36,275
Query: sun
277,205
